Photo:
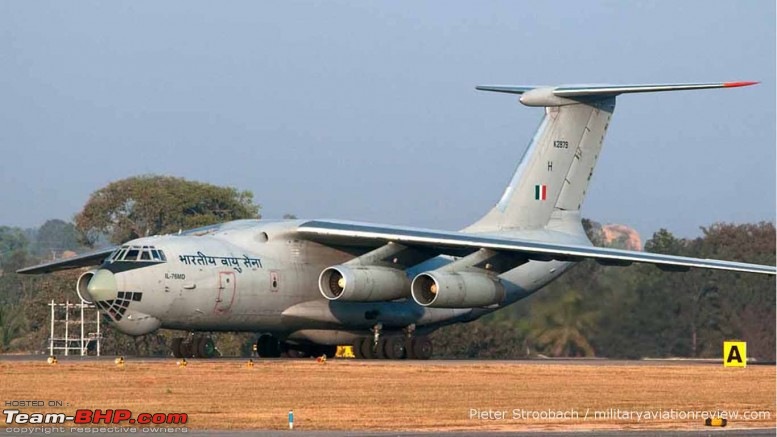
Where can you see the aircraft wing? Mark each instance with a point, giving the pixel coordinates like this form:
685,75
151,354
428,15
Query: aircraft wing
88,259
456,243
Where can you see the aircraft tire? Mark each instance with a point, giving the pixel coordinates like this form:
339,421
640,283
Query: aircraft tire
380,349
409,352
394,348
357,348
205,348
267,346
422,347
175,346
186,349
367,351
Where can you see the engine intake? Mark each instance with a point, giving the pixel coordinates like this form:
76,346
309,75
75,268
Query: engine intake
439,289
363,284
82,284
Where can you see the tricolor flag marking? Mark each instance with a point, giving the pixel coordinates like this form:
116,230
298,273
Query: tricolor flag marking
540,192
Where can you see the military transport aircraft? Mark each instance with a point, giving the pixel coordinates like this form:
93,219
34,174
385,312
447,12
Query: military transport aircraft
308,285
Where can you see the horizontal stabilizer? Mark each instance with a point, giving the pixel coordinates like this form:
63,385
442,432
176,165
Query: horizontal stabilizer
507,88
613,90
577,91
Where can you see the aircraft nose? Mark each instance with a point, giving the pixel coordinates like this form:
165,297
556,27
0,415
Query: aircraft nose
102,286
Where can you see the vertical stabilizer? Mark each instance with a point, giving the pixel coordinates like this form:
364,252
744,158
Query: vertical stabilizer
556,168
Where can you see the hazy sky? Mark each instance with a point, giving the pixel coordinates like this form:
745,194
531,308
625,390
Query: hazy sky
367,110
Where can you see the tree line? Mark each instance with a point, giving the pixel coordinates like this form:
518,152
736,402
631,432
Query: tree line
592,310
638,311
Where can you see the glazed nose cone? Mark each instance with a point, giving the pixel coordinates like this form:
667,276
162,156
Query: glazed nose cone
102,286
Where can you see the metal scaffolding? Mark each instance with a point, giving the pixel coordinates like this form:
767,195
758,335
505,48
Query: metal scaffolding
89,328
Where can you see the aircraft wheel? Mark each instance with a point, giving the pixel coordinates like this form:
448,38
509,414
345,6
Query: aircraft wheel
394,348
367,349
267,346
409,352
186,349
175,346
422,348
357,348
380,349
205,348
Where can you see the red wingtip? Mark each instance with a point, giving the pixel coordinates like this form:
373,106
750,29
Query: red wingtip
736,84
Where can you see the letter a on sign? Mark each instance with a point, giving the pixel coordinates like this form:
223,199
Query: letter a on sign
734,353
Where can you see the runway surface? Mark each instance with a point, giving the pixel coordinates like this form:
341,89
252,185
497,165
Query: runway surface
700,433
446,362
230,364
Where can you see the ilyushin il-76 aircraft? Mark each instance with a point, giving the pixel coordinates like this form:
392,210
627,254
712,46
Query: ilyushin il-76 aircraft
305,286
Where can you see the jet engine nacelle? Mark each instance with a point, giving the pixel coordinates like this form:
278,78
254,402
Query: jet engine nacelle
363,284
441,289
82,283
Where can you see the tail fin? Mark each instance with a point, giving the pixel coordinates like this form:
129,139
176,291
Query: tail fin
554,172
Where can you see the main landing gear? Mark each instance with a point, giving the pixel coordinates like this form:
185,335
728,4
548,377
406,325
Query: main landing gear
268,346
194,346
394,347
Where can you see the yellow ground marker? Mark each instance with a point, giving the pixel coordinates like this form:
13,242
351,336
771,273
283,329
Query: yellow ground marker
734,354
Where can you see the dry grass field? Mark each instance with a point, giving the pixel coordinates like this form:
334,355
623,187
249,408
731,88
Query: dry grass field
348,394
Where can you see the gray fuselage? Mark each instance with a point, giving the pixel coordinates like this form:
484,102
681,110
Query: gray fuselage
258,276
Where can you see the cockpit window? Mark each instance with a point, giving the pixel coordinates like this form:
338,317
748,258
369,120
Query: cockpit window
138,253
